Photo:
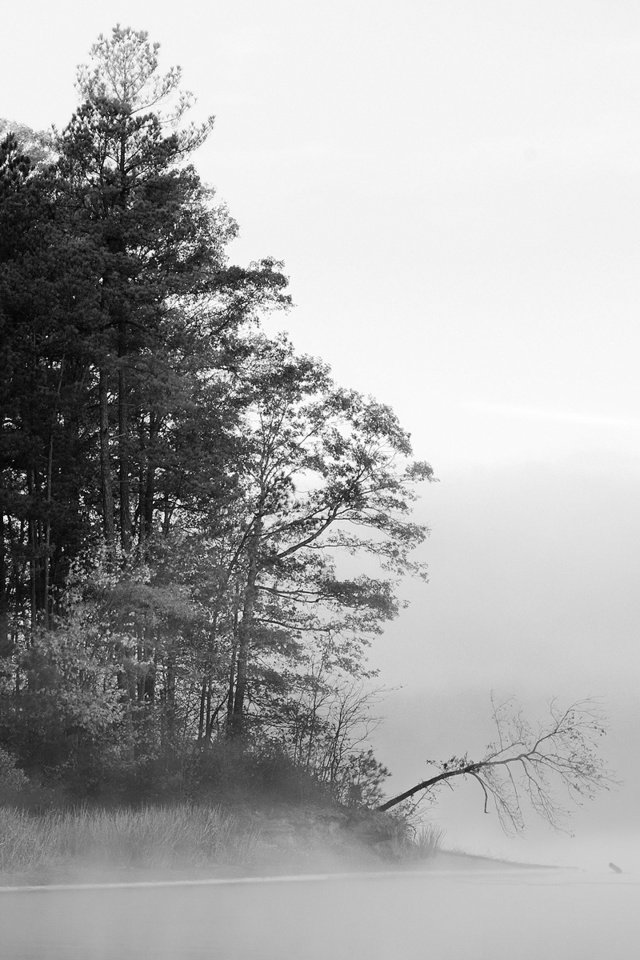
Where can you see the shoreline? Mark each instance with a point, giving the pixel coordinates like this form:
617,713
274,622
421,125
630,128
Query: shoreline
498,862
88,878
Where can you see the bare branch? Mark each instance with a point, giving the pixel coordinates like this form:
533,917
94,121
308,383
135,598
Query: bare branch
531,763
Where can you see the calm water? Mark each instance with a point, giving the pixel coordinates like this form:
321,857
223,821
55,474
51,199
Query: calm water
473,915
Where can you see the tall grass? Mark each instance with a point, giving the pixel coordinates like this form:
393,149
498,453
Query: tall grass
183,835
428,841
196,837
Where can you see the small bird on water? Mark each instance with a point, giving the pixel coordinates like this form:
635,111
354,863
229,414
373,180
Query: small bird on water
615,868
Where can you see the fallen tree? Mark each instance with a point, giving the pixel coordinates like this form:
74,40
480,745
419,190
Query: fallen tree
532,763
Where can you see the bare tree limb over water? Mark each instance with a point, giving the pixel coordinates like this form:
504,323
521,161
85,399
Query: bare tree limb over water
546,764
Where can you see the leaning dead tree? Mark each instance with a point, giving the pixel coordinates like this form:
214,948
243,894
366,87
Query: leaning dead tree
551,766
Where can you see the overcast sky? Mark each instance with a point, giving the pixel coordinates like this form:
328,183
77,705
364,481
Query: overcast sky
454,188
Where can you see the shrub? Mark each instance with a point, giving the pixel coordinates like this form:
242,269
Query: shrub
13,781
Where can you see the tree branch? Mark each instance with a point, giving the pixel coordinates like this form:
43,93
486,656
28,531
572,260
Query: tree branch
563,753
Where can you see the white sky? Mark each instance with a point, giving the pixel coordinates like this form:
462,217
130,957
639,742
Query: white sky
455,190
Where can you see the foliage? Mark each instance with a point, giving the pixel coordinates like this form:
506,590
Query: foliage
178,491
12,779
200,532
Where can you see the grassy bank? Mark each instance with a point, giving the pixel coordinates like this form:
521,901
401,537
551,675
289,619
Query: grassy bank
151,838
197,840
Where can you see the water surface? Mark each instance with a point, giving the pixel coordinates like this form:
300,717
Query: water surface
497,914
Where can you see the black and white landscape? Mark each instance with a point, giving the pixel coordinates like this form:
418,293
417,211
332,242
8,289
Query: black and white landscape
319,463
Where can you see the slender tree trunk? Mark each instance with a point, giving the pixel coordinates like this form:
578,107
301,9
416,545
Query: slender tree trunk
5,645
208,721
123,448
105,460
126,532
21,580
33,558
212,715
231,686
170,698
148,480
66,527
312,729
47,560
47,536
245,631
201,714
233,659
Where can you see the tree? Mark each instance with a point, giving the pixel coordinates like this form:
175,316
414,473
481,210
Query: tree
64,701
329,730
180,495
149,220
322,471
42,299
37,145
530,763
116,307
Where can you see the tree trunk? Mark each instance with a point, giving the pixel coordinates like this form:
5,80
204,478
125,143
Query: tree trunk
201,714
105,461
232,662
5,645
33,544
126,532
147,499
245,631
169,711
208,728
123,450
67,528
47,560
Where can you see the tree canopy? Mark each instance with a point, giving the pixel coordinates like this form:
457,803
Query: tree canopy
177,487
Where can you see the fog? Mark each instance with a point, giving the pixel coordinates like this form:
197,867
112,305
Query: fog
532,594
450,914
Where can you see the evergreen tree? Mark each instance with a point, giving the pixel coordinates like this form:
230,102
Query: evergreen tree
176,487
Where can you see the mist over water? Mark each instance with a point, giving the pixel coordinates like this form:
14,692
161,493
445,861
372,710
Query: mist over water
482,913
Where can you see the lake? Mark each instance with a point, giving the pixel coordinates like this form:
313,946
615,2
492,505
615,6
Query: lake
476,914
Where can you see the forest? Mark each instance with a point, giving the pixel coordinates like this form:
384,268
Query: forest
200,531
